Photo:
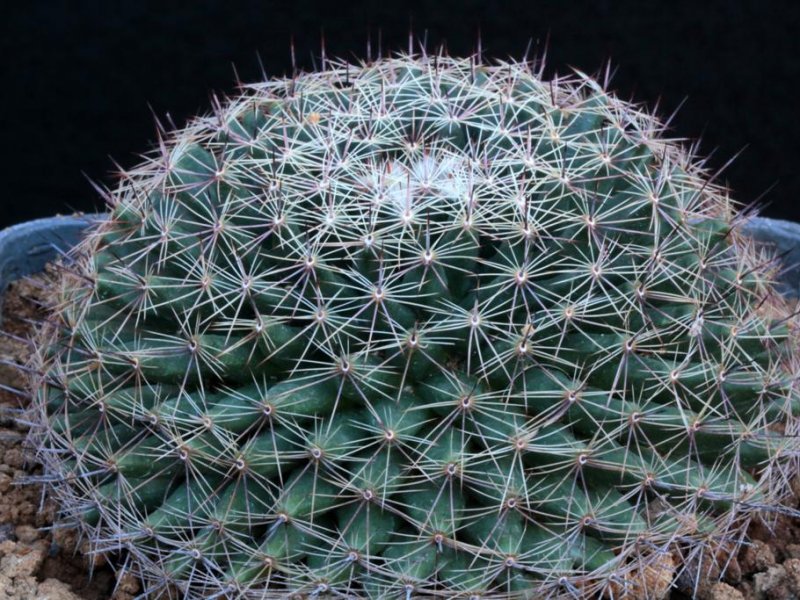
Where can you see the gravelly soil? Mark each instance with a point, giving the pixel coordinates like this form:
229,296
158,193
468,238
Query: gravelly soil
37,562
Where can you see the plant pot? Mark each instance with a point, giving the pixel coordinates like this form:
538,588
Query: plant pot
26,248
784,236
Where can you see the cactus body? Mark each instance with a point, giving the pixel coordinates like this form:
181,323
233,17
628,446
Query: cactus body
416,327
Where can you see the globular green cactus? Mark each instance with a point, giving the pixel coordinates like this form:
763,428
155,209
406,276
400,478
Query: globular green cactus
417,327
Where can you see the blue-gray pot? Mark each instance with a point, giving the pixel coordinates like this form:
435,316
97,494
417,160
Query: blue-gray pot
26,248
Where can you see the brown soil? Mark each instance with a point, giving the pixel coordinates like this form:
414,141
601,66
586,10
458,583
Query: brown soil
36,562
39,563
766,568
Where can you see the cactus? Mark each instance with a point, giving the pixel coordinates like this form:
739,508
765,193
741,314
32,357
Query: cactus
418,326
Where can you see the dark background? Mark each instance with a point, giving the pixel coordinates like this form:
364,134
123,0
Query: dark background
80,77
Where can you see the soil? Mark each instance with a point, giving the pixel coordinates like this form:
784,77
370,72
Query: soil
40,562
37,561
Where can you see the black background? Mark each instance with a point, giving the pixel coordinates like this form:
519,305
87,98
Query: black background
82,77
